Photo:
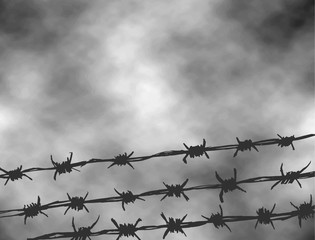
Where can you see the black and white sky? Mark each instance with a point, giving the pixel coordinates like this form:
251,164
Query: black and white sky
100,78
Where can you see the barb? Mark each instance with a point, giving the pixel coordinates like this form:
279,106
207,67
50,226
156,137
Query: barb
290,177
28,211
244,145
264,216
177,190
83,232
63,167
304,211
217,219
196,151
77,203
13,175
127,197
173,225
228,185
178,225
121,160
126,229
192,151
32,210
286,141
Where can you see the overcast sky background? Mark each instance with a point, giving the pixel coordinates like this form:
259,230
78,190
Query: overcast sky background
100,78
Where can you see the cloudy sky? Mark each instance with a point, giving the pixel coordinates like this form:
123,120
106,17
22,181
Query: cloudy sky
100,78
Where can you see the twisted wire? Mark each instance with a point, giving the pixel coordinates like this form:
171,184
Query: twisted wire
178,225
130,197
192,151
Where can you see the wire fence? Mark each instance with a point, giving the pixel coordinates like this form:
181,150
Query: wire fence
177,225
124,159
171,225
173,190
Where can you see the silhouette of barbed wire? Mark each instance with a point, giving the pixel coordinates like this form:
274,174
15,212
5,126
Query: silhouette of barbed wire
177,225
126,229
244,145
173,225
290,177
64,167
78,203
217,219
195,151
28,211
228,185
175,190
286,141
83,232
121,160
127,197
305,210
32,210
192,151
264,216
13,175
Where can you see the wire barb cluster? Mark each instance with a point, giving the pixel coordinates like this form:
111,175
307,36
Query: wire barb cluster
286,141
195,151
173,225
122,160
244,145
228,185
83,232
64,167
32,210
217,219
127,197
304,211
264,216
290,177
77,203
13,175
175,190
127,229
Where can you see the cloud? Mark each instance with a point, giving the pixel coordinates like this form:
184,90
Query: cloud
36,25
103,78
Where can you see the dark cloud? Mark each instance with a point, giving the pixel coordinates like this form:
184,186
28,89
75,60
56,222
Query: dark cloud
18,17
4,234
309,233
36,25
273,24
253,37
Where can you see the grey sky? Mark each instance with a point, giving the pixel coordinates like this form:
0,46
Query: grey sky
100,78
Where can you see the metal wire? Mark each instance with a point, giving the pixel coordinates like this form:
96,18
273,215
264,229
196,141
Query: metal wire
174,191
178,225
124,159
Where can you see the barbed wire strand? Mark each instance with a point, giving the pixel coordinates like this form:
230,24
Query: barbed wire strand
178,225
124,159
170,191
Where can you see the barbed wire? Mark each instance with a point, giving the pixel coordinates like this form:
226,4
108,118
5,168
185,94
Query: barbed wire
125,159
177,225
177,190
